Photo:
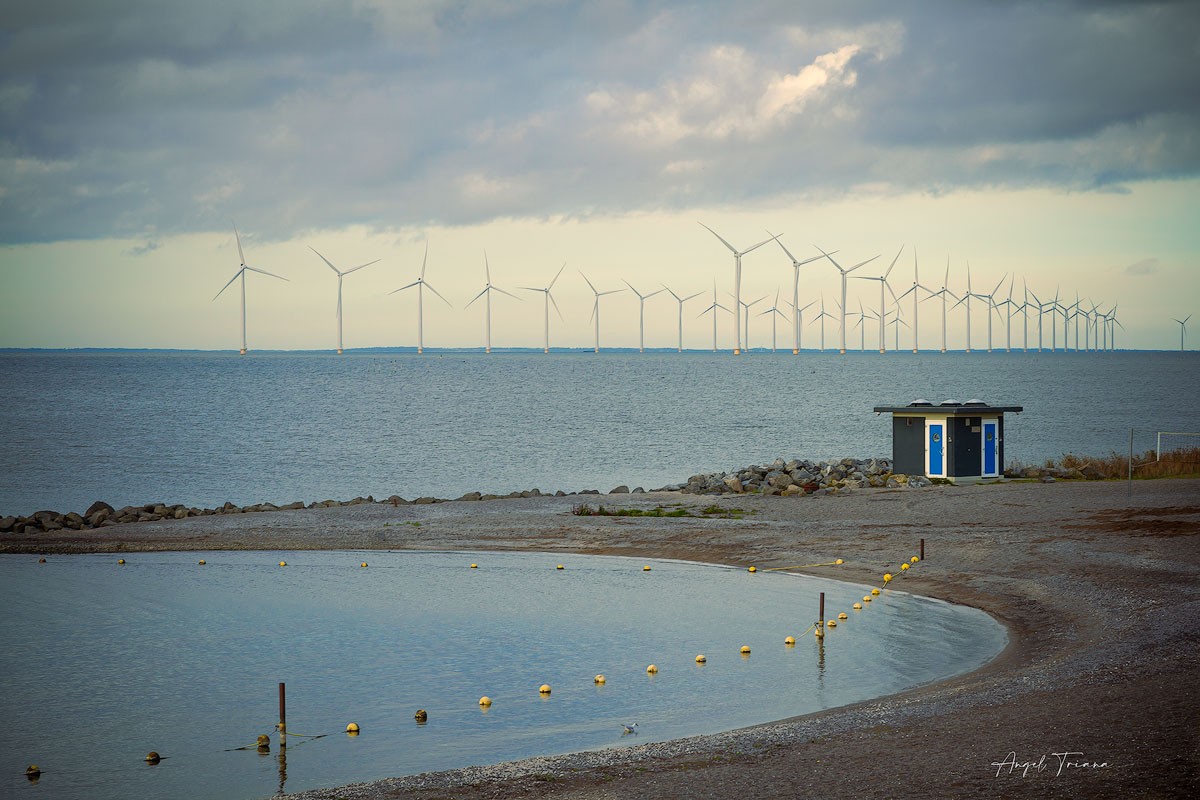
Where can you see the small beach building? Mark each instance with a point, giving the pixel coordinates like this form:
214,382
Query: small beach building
961,442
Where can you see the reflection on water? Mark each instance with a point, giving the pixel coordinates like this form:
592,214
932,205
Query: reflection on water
103,663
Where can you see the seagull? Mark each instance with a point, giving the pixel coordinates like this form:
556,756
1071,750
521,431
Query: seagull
631,728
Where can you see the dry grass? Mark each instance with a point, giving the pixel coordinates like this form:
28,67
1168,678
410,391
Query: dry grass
1184,462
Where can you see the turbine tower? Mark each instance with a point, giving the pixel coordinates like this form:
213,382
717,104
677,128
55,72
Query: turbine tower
488,288
796,265
642,298
822,316
746,320
341,274
943,293
681,301
713,308
916,301
737,282
842,305
596,306
422,285
991,306
241,273
549,298
882,300
798,314
1182,330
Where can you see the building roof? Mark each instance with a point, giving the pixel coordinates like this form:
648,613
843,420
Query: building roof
971,407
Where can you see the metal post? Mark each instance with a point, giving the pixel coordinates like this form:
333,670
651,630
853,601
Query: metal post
282,715
1129,485
922,549
821,613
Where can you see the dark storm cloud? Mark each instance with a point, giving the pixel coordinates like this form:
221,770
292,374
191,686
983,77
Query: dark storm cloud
144,119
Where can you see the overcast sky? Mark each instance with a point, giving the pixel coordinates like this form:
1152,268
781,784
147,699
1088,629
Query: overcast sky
1056,144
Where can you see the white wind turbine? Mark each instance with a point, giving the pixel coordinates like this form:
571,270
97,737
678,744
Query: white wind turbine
1040,306
596,307
341,274
549,298
681,301
642,298
798,320
746,320
991,306
943,293
422,285
862,323
775,314
883,300
822,316
842,305
241,273
796,265
1010,308
916,285
714,308
737,281
488,288
1182,330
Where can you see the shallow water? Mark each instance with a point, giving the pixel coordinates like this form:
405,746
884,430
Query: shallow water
103,663
206,428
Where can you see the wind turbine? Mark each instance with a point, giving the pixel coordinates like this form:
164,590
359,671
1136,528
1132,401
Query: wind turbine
796,265
842,306
822,317
737,281
774,312
713,308
549,298
798,315
943,293
642,298
882,300
341,275
916,302
1010,308
241,273
862,317
991,306
488,288
746,319
422,285
681,301
1040,306
596,306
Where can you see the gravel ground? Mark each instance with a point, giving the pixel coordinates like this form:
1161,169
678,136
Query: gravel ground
1099,587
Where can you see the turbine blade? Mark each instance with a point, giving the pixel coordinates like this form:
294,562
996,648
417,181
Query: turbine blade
690,296
560,272
231,280
435,291
510,294
894,260
237,237
476,297
556,308
326,260
589,283
732,249
424,259
786,251
264,272
861,263
402,288
760,244
360,266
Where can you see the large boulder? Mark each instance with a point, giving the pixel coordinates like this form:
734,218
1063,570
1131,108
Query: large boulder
99,505
734,484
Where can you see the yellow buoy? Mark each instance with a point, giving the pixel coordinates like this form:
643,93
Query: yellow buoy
866,598
652,670
352,728
560,566
485,701
421,716
789,641
646,568
202,562
363,564
32,771
904,566
832,623
915,559
283,563
820,634
745,650
887,577
264,742
839,562
474,566
843,615
857,606
120,561
875,592
599,680
700,659
544,689
753,569
153,757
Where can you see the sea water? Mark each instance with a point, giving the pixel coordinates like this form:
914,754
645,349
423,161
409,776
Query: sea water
103,662
206,428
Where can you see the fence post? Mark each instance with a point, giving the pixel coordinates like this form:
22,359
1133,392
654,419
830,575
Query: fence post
282,715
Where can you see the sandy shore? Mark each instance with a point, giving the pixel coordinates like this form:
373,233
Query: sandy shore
1099,587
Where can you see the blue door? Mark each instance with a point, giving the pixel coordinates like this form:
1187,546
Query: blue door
990,446
936,447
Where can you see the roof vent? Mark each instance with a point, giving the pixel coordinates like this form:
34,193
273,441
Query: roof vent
975,402
950,403
920,401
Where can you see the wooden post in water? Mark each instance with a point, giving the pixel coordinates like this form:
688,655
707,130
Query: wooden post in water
282,715
821,613
922,549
